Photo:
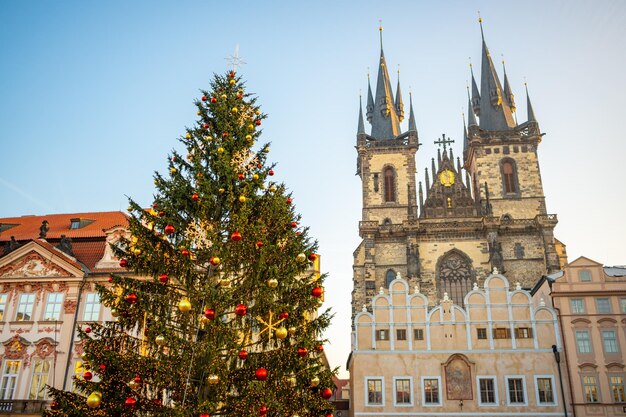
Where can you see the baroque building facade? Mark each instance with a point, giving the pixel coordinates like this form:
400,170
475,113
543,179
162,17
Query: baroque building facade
483,210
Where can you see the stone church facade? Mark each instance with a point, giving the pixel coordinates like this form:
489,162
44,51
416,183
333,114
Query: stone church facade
482,211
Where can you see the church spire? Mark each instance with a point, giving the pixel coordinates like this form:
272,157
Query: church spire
508,93
495,112
529,107
475,101
385,121
471,115
399,103
412,124
361,126
369,109
465,137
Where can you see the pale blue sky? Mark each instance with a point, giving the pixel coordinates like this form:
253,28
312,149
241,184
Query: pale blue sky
94,94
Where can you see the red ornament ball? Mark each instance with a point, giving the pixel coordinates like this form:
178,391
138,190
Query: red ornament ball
225,134
130,402
326,393
283,315
169,229
215,261
137,379
209,313
163,278
213,100
154,205
259,244
232,74
294,225
329,414
258,123
288,200
271,173
317,292
123,263
110,278
241,310
312,257
203,98
87,329
103,367
235,236
184,252
204,415
263,410
320,348
206,125
161,213
302,352
131,298
54,405
158,402
241,177
195,197
243,355
87,376
261,374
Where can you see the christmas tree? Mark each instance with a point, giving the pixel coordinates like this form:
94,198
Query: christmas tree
223,319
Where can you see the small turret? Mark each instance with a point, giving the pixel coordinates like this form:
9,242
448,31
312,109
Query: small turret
508,93
369,109
399,103
475,102
361,126
412,124
529,107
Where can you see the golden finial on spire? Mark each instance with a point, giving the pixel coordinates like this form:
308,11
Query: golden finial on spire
380,24
502,55
398,70
380,29
480,19
368,73
470,61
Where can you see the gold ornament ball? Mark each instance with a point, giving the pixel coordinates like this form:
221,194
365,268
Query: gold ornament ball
173,170
272,283
235,110
250,126
292,330
223,96
114,312
221,191
292,381
249,138
232,82
198,113
224,283
273,188
255,177
155,182
129,209
204,321
220,150
184,305
213,379
242,198
315,382
160,340
94,399
207,138
188,136
257,112
280,333
137,251
301,257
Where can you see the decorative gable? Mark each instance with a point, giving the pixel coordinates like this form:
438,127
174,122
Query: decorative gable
38,260
109,260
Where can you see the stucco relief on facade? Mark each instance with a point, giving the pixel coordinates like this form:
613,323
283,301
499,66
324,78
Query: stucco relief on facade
33,265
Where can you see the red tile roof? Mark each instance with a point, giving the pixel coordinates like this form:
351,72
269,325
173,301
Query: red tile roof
27,227
58,253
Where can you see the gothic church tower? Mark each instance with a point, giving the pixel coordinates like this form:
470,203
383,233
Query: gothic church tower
487,212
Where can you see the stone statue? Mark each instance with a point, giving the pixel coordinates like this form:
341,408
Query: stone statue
413,260
11,246
43,230
495,253
65,245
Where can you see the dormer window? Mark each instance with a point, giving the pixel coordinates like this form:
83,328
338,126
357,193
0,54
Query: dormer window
78,223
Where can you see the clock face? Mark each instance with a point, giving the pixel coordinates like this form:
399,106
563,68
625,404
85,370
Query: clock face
446,178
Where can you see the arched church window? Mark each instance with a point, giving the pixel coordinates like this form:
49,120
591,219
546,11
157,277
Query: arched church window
387,221
454,276
390,276
509,177
390,184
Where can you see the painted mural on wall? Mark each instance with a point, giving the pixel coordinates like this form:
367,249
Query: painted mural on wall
458,379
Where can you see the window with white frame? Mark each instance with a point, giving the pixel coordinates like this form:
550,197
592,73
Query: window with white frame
92,307
25,307
382,334
590,388
374,391
9,379
53,306
583,341
616,384
515,390
622,305
487,389
609,340
41,370
577,305
3,305
402,391
545,389
603,305
430,391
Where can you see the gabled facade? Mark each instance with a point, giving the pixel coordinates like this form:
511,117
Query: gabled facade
591,302
48,272
493,357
